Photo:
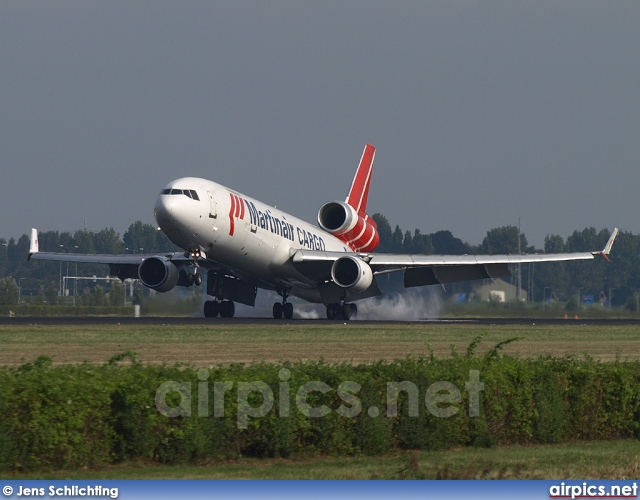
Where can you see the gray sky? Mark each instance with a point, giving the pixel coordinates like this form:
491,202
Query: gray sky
481,111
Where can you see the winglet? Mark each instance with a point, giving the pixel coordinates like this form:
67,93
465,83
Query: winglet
359,192
34,246
607,248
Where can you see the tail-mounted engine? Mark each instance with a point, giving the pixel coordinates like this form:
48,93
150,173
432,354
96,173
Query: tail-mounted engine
341,220
352,273
158,273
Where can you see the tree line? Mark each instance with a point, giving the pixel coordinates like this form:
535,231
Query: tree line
618,279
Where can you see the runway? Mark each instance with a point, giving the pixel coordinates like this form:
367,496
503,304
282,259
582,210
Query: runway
172,320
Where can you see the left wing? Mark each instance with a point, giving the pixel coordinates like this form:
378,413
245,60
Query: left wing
420,270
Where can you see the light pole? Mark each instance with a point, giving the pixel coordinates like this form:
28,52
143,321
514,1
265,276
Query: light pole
20,290
579,297
60,292
75,281
544,297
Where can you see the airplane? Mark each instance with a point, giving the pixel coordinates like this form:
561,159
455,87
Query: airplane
244,244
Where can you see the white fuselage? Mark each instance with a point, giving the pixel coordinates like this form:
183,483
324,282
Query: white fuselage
245,235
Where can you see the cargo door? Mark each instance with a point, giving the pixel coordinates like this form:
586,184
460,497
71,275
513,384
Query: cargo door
213,214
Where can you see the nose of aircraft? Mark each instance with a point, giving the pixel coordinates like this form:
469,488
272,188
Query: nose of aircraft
163,209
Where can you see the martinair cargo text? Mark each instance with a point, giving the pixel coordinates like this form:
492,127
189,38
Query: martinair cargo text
243,244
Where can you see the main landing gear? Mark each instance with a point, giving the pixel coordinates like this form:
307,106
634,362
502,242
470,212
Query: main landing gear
283,308
226,309
344,311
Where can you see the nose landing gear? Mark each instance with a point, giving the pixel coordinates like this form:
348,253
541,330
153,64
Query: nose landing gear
196,278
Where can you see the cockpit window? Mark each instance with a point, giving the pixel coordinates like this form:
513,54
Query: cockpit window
189,193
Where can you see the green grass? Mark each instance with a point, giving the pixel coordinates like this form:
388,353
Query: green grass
292,333
220,344
596,460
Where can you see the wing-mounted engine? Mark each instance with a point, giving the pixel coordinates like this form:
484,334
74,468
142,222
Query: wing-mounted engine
342,220
158,273
352,273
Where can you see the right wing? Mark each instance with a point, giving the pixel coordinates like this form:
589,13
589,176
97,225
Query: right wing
126,266
420,270
121,265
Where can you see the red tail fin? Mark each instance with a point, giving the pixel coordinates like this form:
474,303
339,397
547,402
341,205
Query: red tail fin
359,192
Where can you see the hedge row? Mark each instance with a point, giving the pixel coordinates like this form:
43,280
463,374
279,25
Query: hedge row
91,415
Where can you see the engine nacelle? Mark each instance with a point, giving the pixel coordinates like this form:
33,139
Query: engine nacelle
342,220
352,273
158,273
337,217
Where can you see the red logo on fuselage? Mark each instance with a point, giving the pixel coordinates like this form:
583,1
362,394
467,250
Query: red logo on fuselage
236,211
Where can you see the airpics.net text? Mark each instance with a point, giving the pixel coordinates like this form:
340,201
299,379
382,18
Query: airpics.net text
441,399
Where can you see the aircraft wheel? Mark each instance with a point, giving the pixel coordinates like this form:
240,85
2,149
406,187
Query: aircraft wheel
197,279
231,308
224,309
277,310
215,308
227,309
346,311
288,310
331,311
211,308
